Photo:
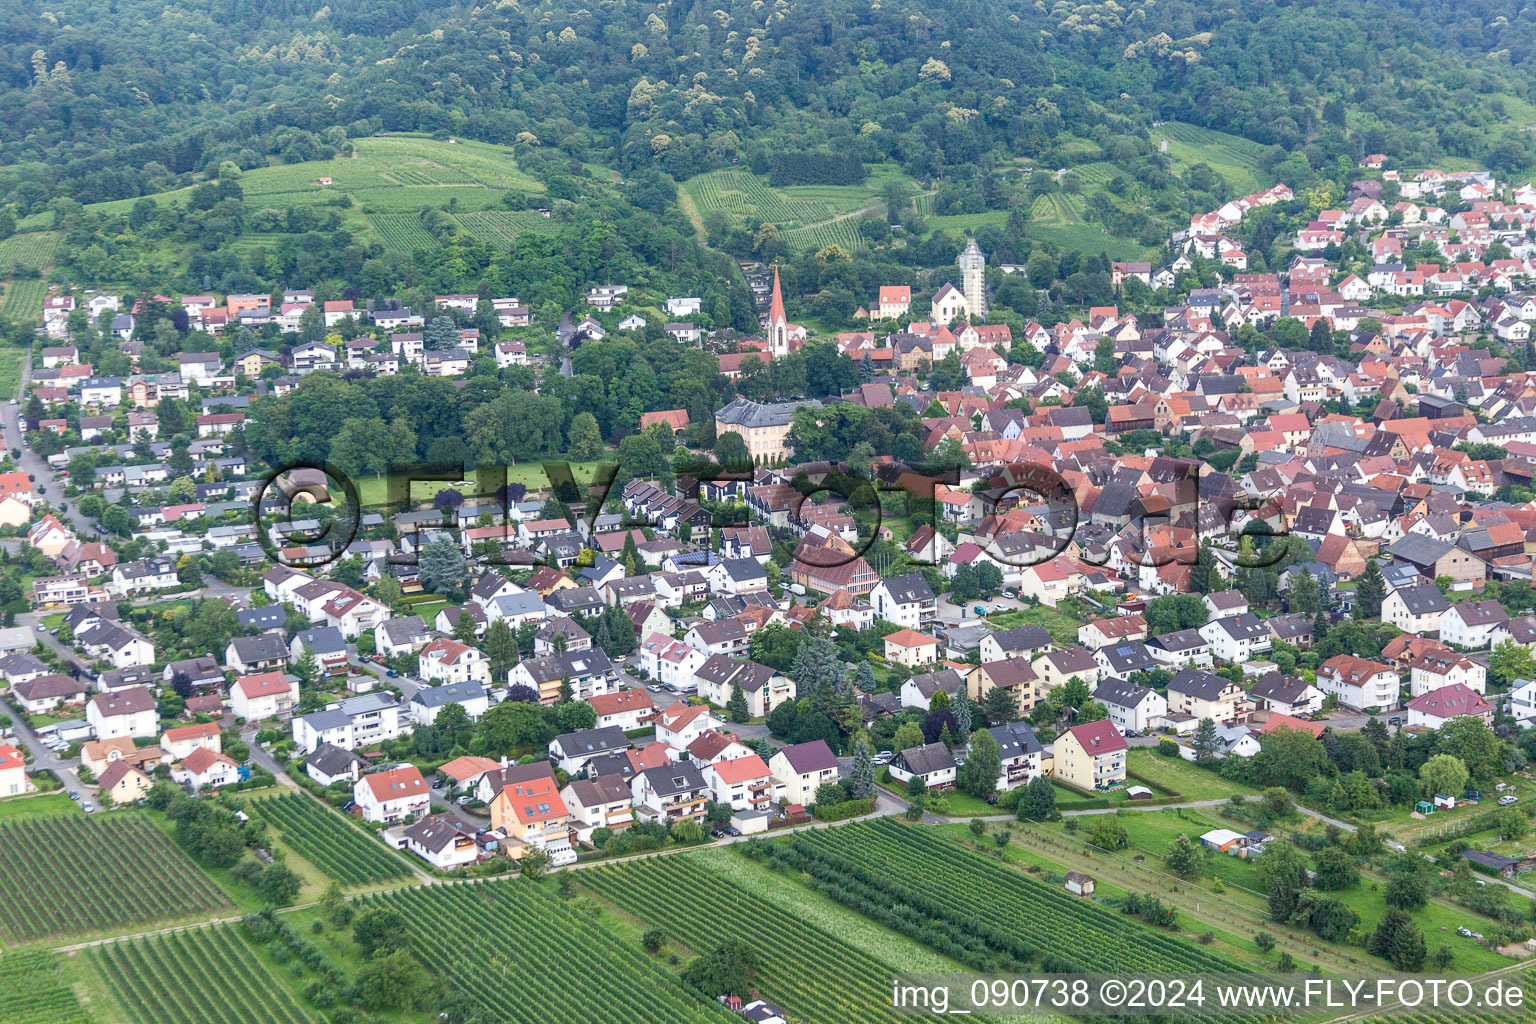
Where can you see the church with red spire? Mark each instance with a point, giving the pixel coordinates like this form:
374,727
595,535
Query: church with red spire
780,336
778,322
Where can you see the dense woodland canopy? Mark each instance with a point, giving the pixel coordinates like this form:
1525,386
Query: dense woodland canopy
113,100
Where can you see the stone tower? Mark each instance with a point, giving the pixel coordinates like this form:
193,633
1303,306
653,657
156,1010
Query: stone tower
973,278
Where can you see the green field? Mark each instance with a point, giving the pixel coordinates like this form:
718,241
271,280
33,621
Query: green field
501,227
33,250
32,992
1234,158
518,953
1062,627
807,216
71,875
32,806
984,906
23,297
197,976
1150,832
382,187
1177,775
11,360
1057,219
814,975
322,837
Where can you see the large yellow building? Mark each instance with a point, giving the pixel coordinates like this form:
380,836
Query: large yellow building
1091,756
764,428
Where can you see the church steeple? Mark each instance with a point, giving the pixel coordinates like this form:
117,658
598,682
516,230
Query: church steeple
778,322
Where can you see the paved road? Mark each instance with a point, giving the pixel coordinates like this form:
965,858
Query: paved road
43,758
34,465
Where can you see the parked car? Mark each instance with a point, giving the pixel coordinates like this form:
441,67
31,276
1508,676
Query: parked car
653,688
884,757
731,830
392,673
1395,720
1507,799
88,808
74,796
719,833
980,609
1468,933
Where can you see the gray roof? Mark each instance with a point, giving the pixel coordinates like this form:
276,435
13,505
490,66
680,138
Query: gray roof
329,759
1196,683
264,647
747,413
1422,599
436,832
1419,549
448,693
909,589
593,741
1121,693
927,759
322,639
675,778
1015,739
1023,638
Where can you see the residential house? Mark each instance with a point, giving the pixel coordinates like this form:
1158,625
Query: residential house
1091,756
392,795
803,768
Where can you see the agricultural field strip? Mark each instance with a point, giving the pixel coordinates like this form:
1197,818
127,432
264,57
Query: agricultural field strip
1006,901
32,250
814,976
31,991
196,976
52,882
334,846
523,955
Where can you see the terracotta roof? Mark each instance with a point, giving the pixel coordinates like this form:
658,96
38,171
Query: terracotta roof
397,783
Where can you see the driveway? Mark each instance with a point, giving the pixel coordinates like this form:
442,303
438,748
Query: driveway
45,759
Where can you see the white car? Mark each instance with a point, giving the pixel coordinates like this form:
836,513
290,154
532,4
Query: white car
1507,799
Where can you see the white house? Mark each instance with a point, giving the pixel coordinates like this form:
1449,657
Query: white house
1435,669
681,723
263,695
1359,683
1132,708
1237,637
671,662
206,769
742,783
1434,709
1472,623
905,600
1021,754
602,802
129,712
428,702
1417,609
392,795
442,842
447,661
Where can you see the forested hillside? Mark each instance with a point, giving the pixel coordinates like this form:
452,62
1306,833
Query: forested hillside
111,100
533,148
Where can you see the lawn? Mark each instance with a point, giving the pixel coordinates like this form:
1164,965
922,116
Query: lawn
808,905
30,806
1176,775
373,491
1150,832
1062,627
10,371
1401,824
